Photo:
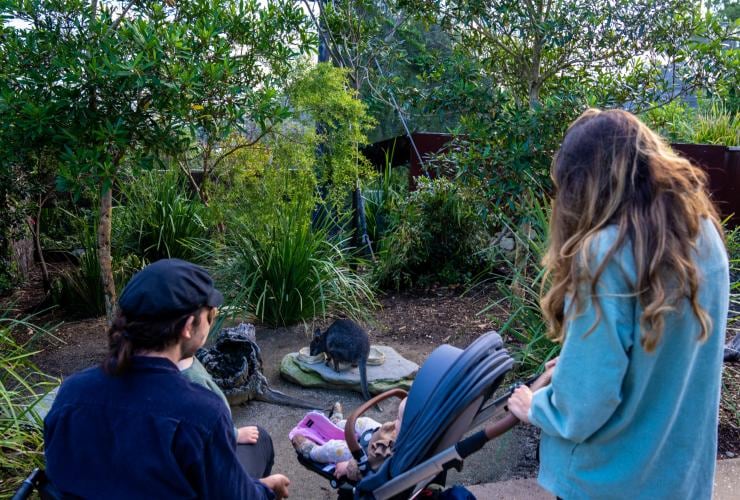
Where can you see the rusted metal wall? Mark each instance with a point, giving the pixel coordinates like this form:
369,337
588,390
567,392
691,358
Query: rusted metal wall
399,152
722,164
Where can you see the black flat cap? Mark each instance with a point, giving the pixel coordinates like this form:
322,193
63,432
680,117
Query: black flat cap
167,289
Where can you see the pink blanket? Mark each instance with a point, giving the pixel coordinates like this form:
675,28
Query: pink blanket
316,427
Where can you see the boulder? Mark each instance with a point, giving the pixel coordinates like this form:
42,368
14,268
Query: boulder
395,372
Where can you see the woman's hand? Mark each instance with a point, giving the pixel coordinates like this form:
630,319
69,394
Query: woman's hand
546,376
521,400
248,435
278,484
519,403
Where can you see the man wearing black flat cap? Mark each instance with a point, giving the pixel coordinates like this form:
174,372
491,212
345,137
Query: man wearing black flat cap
134,427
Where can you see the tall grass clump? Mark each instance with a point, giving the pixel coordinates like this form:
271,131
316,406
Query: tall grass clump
716,125
520,290
435,234
711,123
730,407
159,219
382,196
295,273
79,290
22,387
732,239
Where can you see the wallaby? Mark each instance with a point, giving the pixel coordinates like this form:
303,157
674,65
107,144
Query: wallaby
344,342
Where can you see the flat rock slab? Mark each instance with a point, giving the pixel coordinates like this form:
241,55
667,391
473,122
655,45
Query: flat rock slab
395,372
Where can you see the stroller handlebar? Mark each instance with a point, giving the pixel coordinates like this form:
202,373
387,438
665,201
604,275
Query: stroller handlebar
349,428
495,429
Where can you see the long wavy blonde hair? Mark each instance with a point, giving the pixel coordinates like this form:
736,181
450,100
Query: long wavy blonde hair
611,169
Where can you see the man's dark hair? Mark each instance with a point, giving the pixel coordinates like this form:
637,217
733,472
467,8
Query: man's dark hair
126,338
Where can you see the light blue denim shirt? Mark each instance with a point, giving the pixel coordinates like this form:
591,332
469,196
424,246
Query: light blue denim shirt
619,422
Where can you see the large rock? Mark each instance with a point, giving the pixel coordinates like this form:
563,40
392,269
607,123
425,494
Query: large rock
395,372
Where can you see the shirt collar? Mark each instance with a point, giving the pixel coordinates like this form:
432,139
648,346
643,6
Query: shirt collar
153,364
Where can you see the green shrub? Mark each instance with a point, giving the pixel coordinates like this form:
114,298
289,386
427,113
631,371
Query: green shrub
58,230
79,291
255,180
729,409
437,234
505,147
323,94
669,120
158,219
22,387
295,273
7,281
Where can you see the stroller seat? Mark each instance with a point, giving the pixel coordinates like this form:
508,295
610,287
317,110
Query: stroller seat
447,399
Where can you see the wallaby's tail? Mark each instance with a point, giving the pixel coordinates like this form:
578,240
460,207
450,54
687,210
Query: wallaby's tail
279,398
363,382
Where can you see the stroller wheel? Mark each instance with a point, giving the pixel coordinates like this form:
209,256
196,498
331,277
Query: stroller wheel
344,494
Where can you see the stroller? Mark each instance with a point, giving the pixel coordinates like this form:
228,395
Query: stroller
450,395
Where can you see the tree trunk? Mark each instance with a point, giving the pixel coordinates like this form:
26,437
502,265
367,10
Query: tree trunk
534,95
35,227
535,81
104,253
203,189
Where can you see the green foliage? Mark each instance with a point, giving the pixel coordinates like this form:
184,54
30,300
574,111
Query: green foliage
521,289
623,51
295,274
382,197
97,84
256,180
716,125
385,47
79,291
293,162
732,239
726,9
670,120
436,234
59,231
276,267
729,408
507,148
710,123
23,180
158,219
323,94
22,387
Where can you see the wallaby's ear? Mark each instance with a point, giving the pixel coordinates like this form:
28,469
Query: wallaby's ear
317,333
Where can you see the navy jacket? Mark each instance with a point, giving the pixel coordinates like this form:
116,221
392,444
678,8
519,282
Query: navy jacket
147,434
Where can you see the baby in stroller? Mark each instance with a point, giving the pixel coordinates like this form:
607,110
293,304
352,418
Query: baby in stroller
378,439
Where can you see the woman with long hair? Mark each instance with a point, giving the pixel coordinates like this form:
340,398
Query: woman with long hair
638,296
